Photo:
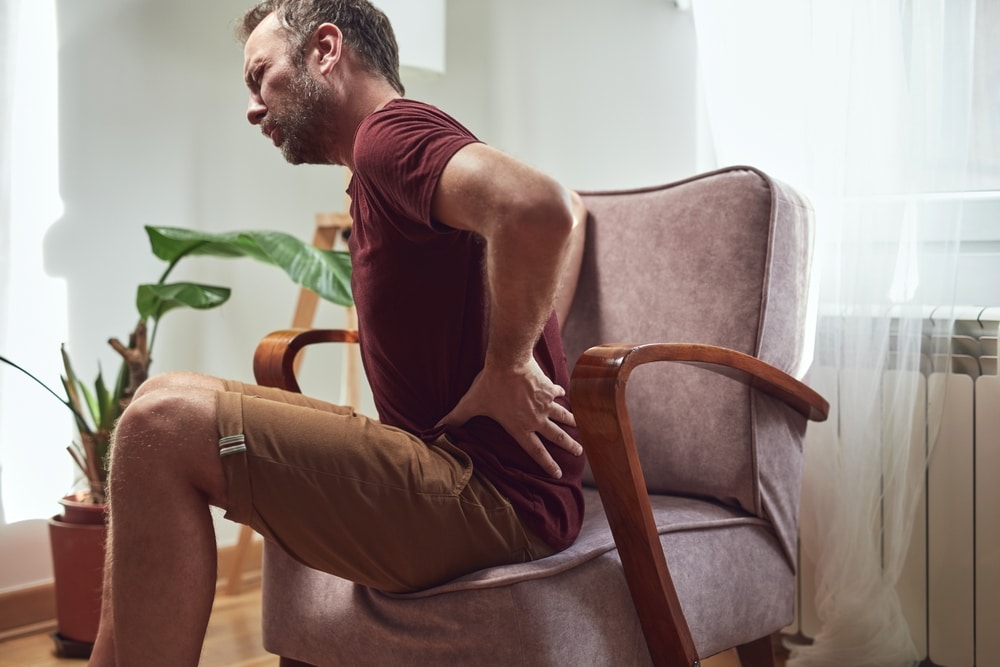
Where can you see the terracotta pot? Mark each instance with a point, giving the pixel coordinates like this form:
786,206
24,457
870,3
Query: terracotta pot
77,537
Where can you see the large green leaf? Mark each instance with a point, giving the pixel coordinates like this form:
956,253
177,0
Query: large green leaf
326,272
156,300
172,243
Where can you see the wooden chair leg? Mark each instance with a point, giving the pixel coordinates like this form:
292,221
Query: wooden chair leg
758,653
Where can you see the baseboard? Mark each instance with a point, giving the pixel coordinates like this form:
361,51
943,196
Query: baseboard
32,609
27,610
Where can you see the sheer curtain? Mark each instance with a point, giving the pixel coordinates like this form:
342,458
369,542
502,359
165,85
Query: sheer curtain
35,470
6,95
6,36
867,107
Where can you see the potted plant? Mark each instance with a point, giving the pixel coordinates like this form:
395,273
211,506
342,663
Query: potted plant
78,534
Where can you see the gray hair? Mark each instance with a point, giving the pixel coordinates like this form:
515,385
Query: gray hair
366,31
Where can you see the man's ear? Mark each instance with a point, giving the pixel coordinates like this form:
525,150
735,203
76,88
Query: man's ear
328,43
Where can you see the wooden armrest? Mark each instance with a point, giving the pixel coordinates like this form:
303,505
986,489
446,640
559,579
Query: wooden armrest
274,358
623,359
597,394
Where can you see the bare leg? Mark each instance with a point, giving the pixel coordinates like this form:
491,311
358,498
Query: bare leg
161,570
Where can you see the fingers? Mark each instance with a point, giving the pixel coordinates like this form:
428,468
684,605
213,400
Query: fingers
536,450
555,434
458,414
448,420
560,414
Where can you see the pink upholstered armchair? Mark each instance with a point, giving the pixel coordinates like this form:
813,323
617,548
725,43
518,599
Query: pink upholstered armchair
689,543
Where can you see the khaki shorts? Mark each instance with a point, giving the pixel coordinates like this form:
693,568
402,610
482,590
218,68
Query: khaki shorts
367,502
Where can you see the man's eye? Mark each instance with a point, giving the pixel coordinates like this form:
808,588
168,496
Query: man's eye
253,79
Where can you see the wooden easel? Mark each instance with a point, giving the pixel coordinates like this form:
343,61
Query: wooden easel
329,228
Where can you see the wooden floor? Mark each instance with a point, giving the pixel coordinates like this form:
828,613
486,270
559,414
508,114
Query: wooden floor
233,640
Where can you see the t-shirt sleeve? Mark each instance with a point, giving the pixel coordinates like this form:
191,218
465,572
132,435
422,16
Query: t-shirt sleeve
401,155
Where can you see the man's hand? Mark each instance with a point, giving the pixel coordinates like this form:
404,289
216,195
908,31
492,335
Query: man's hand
523,401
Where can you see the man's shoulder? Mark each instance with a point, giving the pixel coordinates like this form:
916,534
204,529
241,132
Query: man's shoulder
404,119
405,133
404,107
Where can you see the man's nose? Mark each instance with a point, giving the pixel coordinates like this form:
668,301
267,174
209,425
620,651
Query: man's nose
256,110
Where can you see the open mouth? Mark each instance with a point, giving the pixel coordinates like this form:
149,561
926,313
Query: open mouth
271,131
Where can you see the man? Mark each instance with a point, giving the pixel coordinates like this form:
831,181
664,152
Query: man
457,252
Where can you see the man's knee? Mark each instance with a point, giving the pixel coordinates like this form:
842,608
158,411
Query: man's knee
166,421
170,432
178,381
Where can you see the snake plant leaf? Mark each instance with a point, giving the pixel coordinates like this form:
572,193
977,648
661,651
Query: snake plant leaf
121,382
101,404
156,300
107,404
326,272
92,401
71,382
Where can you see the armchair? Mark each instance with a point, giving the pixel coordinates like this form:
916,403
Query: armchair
689,541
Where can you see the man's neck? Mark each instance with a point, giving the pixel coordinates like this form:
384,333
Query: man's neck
368,101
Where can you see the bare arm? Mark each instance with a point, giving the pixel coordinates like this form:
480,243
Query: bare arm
573,262
527,222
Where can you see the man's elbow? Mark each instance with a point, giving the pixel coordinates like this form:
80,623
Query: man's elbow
551,213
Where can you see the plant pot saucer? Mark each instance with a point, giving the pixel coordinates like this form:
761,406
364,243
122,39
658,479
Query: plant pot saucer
71,648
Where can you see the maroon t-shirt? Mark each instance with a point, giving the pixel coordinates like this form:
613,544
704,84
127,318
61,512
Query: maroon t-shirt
419,287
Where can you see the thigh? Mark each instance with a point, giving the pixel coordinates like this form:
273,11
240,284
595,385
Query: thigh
367,502
283,396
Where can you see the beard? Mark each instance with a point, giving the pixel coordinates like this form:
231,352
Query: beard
306,122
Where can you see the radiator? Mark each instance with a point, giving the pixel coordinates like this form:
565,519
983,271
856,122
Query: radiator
949,586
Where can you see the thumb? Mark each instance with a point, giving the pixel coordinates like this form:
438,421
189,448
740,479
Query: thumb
456,417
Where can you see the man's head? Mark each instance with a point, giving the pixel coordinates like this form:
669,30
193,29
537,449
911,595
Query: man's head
367,32
313,69
289,104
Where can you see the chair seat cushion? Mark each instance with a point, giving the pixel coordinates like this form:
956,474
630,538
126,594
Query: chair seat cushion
728,567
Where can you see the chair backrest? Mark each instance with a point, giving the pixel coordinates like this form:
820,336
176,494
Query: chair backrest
722,259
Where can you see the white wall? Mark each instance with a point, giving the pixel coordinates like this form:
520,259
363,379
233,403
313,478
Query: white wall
152,104
598,94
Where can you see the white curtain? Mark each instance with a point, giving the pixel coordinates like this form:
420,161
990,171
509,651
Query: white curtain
35,469
873,108
5,103
5,100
